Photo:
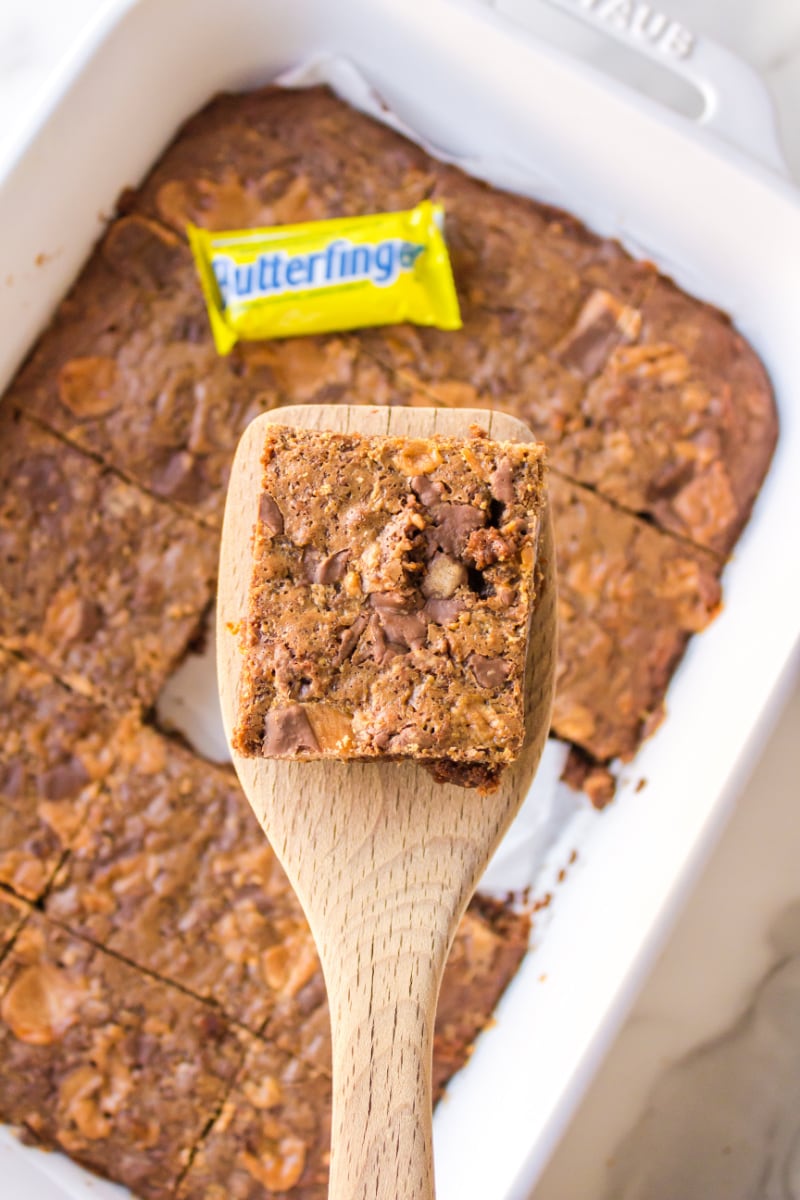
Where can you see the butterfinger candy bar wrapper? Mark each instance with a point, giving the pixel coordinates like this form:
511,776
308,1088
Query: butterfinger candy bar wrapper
324,276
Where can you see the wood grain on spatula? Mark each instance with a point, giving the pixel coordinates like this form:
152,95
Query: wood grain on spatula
383,858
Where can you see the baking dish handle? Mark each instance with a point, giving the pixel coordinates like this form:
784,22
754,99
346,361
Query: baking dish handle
737,106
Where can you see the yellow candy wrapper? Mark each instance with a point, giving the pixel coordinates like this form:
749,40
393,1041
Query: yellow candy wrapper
323,276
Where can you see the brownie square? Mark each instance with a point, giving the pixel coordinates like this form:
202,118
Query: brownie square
127,370
54,753
681,424
543,304
121,1071
100,582
629,596
172,871
392,588
272,1136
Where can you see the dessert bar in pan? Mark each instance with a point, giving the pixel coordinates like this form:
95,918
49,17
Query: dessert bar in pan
162,1013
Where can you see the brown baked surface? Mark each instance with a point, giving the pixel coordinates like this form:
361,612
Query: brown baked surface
127,1073
120,1008
172,871
54,754
272,1136
116,1068
386,568
545,305
99,582
273,1132
629,596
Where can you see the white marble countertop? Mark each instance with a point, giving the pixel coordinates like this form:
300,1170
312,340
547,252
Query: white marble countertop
699,1097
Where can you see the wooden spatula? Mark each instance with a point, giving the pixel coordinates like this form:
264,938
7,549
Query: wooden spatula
383,859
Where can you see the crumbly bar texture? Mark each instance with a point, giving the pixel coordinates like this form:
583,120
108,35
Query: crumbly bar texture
680,424
391,595
172,871
99,582
54,754
128,374
121,1071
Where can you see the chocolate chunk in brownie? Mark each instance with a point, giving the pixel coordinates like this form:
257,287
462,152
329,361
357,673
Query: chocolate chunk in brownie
272,1136
392,588
172,871
54,753
629,596
119,1070
98,581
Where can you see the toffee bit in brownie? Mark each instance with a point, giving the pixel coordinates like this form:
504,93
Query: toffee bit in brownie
379,619
443,576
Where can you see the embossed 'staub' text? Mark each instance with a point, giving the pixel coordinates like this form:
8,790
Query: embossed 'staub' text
643,21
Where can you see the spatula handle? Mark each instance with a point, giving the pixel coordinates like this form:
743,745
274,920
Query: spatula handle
382,1021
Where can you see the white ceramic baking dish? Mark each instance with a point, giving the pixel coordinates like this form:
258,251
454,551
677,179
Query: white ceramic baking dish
471,82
